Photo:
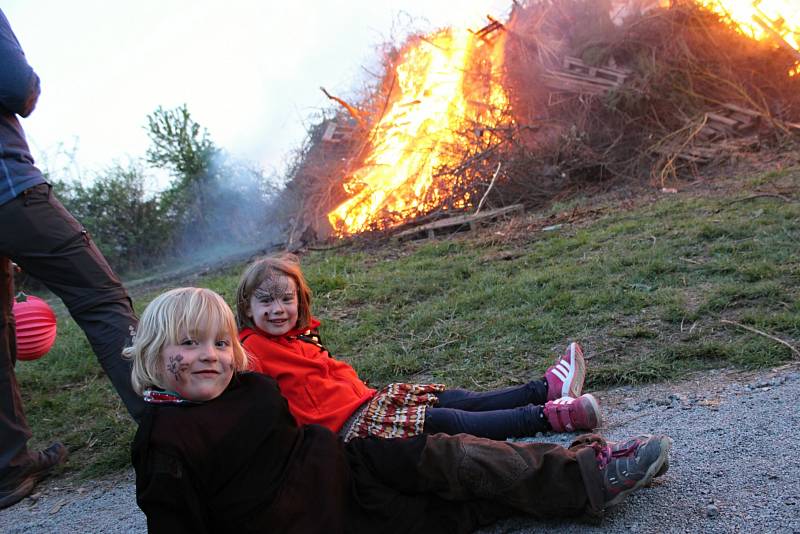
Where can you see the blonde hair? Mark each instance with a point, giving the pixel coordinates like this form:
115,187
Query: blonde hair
261,269
173,314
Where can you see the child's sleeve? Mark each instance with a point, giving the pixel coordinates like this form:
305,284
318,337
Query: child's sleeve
168,498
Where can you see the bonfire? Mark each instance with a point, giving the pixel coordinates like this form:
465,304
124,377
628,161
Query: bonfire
559,94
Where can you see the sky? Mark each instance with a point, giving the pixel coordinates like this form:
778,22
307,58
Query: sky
248,70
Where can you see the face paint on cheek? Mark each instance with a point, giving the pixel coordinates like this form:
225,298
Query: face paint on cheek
176,367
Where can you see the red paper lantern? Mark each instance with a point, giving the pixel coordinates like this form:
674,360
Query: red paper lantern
36,327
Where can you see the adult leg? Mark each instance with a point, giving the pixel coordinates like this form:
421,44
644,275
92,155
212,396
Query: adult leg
20,469
52,246
14,430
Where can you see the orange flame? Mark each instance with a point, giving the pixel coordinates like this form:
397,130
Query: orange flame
435,97
762,20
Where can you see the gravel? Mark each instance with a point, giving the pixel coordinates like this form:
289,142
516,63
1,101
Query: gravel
734,465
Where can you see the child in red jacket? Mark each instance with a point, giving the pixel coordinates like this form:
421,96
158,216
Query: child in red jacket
218,451
273,303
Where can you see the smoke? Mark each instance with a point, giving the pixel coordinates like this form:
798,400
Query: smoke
238,204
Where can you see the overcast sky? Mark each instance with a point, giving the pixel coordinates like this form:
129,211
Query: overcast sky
249,70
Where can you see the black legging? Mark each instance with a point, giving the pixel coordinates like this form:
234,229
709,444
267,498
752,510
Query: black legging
498,414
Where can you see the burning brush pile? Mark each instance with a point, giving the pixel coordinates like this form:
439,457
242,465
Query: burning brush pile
562,95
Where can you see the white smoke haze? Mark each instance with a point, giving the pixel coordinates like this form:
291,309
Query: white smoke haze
239,219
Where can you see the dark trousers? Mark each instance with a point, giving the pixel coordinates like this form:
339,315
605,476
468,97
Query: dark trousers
48,243
543,480
498,414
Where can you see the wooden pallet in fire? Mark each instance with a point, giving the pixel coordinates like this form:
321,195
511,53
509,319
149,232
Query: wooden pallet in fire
486,32
702,152
729,121
338,131
575,76
471,221
726,130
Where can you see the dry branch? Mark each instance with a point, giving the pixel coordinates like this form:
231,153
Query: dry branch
491,184
356,114
759,332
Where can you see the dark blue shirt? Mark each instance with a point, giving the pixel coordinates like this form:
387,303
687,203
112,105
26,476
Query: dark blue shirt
19,90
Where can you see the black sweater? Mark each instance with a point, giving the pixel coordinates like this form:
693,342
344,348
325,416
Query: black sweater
239,463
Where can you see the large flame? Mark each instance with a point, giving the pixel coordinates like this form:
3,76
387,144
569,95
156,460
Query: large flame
778,20
436,95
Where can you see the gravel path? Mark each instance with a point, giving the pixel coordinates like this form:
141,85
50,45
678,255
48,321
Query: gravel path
734,467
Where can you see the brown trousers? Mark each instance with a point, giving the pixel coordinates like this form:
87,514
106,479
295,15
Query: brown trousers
478,480
538,479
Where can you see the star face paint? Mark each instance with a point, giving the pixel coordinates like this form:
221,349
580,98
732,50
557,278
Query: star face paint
274,287
273,305
175,367
200,366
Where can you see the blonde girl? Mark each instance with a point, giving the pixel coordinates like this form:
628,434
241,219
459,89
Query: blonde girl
186,347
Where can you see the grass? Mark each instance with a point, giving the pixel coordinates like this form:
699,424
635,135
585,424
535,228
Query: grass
643,289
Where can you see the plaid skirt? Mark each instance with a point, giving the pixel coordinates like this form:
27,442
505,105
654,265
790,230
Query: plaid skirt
396,411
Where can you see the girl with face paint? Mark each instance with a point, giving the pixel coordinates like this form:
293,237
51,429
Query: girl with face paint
273,303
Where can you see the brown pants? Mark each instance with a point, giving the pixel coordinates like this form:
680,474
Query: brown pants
469,481
538,479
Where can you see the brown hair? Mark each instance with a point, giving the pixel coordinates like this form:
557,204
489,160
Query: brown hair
261,269
165,319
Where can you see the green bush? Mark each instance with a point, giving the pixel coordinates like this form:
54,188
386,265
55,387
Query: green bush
212,201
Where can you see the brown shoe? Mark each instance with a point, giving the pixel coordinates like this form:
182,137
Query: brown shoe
20,481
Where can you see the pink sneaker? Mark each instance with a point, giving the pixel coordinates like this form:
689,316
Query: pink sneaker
565,378
568,415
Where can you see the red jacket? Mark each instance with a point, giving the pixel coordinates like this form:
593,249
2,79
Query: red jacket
319,388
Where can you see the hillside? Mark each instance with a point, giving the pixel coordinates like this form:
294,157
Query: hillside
653,285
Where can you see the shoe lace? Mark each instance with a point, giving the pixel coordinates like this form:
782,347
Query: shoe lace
604,453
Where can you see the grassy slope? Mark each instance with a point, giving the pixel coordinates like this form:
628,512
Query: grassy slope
644,289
